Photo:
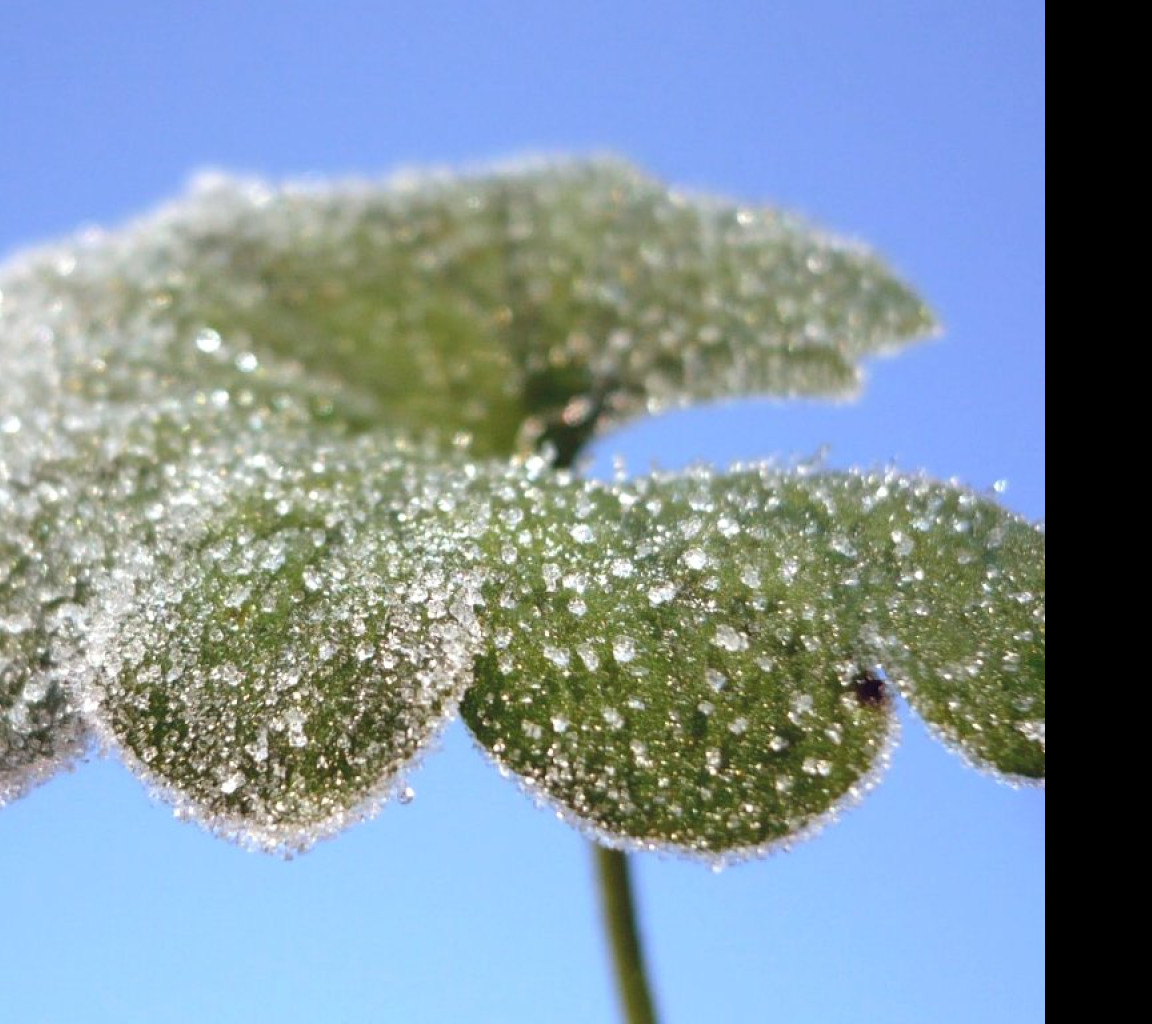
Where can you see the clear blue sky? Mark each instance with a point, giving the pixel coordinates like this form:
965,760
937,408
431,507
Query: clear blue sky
916,126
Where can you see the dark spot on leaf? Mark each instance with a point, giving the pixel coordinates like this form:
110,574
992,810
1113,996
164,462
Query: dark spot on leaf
870,689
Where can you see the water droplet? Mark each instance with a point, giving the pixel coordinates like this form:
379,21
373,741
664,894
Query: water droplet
623,649
613,718
589,656
730,639
559,656
1036,731
715,679
696,559
208,340
232,783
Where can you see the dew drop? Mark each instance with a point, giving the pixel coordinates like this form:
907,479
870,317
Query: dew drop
716,680
624,649
208,341
817,766
559,656
589,656
1034,730
232,783
696,559
730,639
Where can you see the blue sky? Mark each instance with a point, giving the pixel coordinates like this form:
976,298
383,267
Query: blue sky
918,127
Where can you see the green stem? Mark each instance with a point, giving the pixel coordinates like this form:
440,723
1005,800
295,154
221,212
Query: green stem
619,909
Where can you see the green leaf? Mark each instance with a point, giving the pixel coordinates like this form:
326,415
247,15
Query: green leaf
538,303
964,612
289,633
42,586
528,306
39,727
688,662
680,662
78,482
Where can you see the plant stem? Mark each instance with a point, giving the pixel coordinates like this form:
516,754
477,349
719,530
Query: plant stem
619,909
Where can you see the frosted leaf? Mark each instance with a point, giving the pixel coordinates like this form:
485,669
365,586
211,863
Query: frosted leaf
44,567
288,635
538,303
675,735
961,588
39,727
208,547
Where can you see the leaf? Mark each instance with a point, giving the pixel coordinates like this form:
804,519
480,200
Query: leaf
528,306
42,581
289,635
224,378
964,604
538,303
39,728
680,662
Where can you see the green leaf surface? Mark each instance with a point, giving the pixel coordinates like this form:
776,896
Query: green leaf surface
39,727
681,662
699,662
537,303
288,635
964,614
43,582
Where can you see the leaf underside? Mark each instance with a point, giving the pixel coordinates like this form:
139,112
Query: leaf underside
241,538
698,661
550,300
965,617
39,727
681,663
288,636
